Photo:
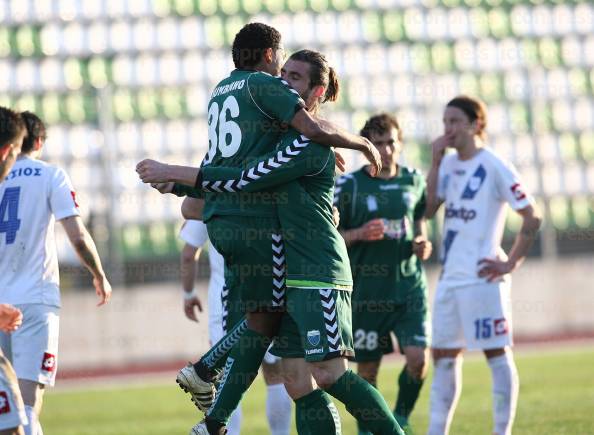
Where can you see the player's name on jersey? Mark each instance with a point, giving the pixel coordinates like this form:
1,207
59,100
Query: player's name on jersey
221,90
24,172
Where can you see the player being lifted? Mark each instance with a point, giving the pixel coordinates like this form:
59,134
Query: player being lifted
247,113
12,409
472,301
382,221
35,195
222,314
315,335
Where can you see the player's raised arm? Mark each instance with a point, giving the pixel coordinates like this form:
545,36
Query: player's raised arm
434,199
83,244
326,133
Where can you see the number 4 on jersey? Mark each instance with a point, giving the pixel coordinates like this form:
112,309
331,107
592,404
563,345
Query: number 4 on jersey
10,203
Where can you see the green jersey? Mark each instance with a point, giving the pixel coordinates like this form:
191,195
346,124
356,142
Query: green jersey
400,201
300,176
247,114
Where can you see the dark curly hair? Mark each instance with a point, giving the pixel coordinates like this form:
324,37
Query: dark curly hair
35,130
251,42
11,126
381,123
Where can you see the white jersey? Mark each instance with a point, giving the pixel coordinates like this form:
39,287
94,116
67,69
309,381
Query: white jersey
476,193
194,233
34,195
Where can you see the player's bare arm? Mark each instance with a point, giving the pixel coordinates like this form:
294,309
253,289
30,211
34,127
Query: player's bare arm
422,247
326,133
438,148
492,269
86,250
370,231
192,302
192,208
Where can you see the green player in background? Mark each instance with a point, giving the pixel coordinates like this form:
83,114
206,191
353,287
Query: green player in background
382,222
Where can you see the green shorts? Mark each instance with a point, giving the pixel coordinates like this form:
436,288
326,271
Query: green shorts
316,325
254,260
377,315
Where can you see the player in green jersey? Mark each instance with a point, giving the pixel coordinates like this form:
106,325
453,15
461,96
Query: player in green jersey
381,219
247,114
315,335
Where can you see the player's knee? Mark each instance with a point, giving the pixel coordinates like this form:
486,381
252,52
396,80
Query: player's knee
13,431
417,366
368,371
299,387
324,377
31,392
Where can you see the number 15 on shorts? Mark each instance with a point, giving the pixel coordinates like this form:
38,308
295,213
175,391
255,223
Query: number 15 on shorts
486,327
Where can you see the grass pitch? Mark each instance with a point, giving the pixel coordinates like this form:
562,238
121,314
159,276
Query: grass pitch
556,396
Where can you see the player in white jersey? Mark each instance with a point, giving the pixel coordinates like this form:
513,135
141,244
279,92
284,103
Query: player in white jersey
12,409
35,195
472,301
195,235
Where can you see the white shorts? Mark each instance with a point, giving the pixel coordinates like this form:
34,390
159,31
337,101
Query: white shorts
12,409
215,314
33,348
476,316
216,331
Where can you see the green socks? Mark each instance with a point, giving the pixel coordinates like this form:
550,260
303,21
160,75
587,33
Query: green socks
316,414
214,360
240,371
408,393
365,403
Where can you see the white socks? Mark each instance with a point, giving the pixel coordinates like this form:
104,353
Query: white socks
505,392
445,392
33,428
278,409
234,423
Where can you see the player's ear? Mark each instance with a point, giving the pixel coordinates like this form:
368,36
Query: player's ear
268,55
4,151
38,144
318,91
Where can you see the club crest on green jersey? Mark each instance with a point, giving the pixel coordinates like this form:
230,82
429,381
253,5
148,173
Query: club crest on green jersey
313,337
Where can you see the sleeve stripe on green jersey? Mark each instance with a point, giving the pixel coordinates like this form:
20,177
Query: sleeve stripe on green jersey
262,168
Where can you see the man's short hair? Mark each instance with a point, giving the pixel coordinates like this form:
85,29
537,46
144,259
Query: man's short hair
380,124
35,130
251,42
11,126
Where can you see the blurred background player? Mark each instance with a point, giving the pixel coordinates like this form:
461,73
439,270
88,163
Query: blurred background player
12,133
195,236
472,307
12,409
382,221
35,195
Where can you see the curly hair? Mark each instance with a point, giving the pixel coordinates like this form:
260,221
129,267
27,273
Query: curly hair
381,123
251,42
